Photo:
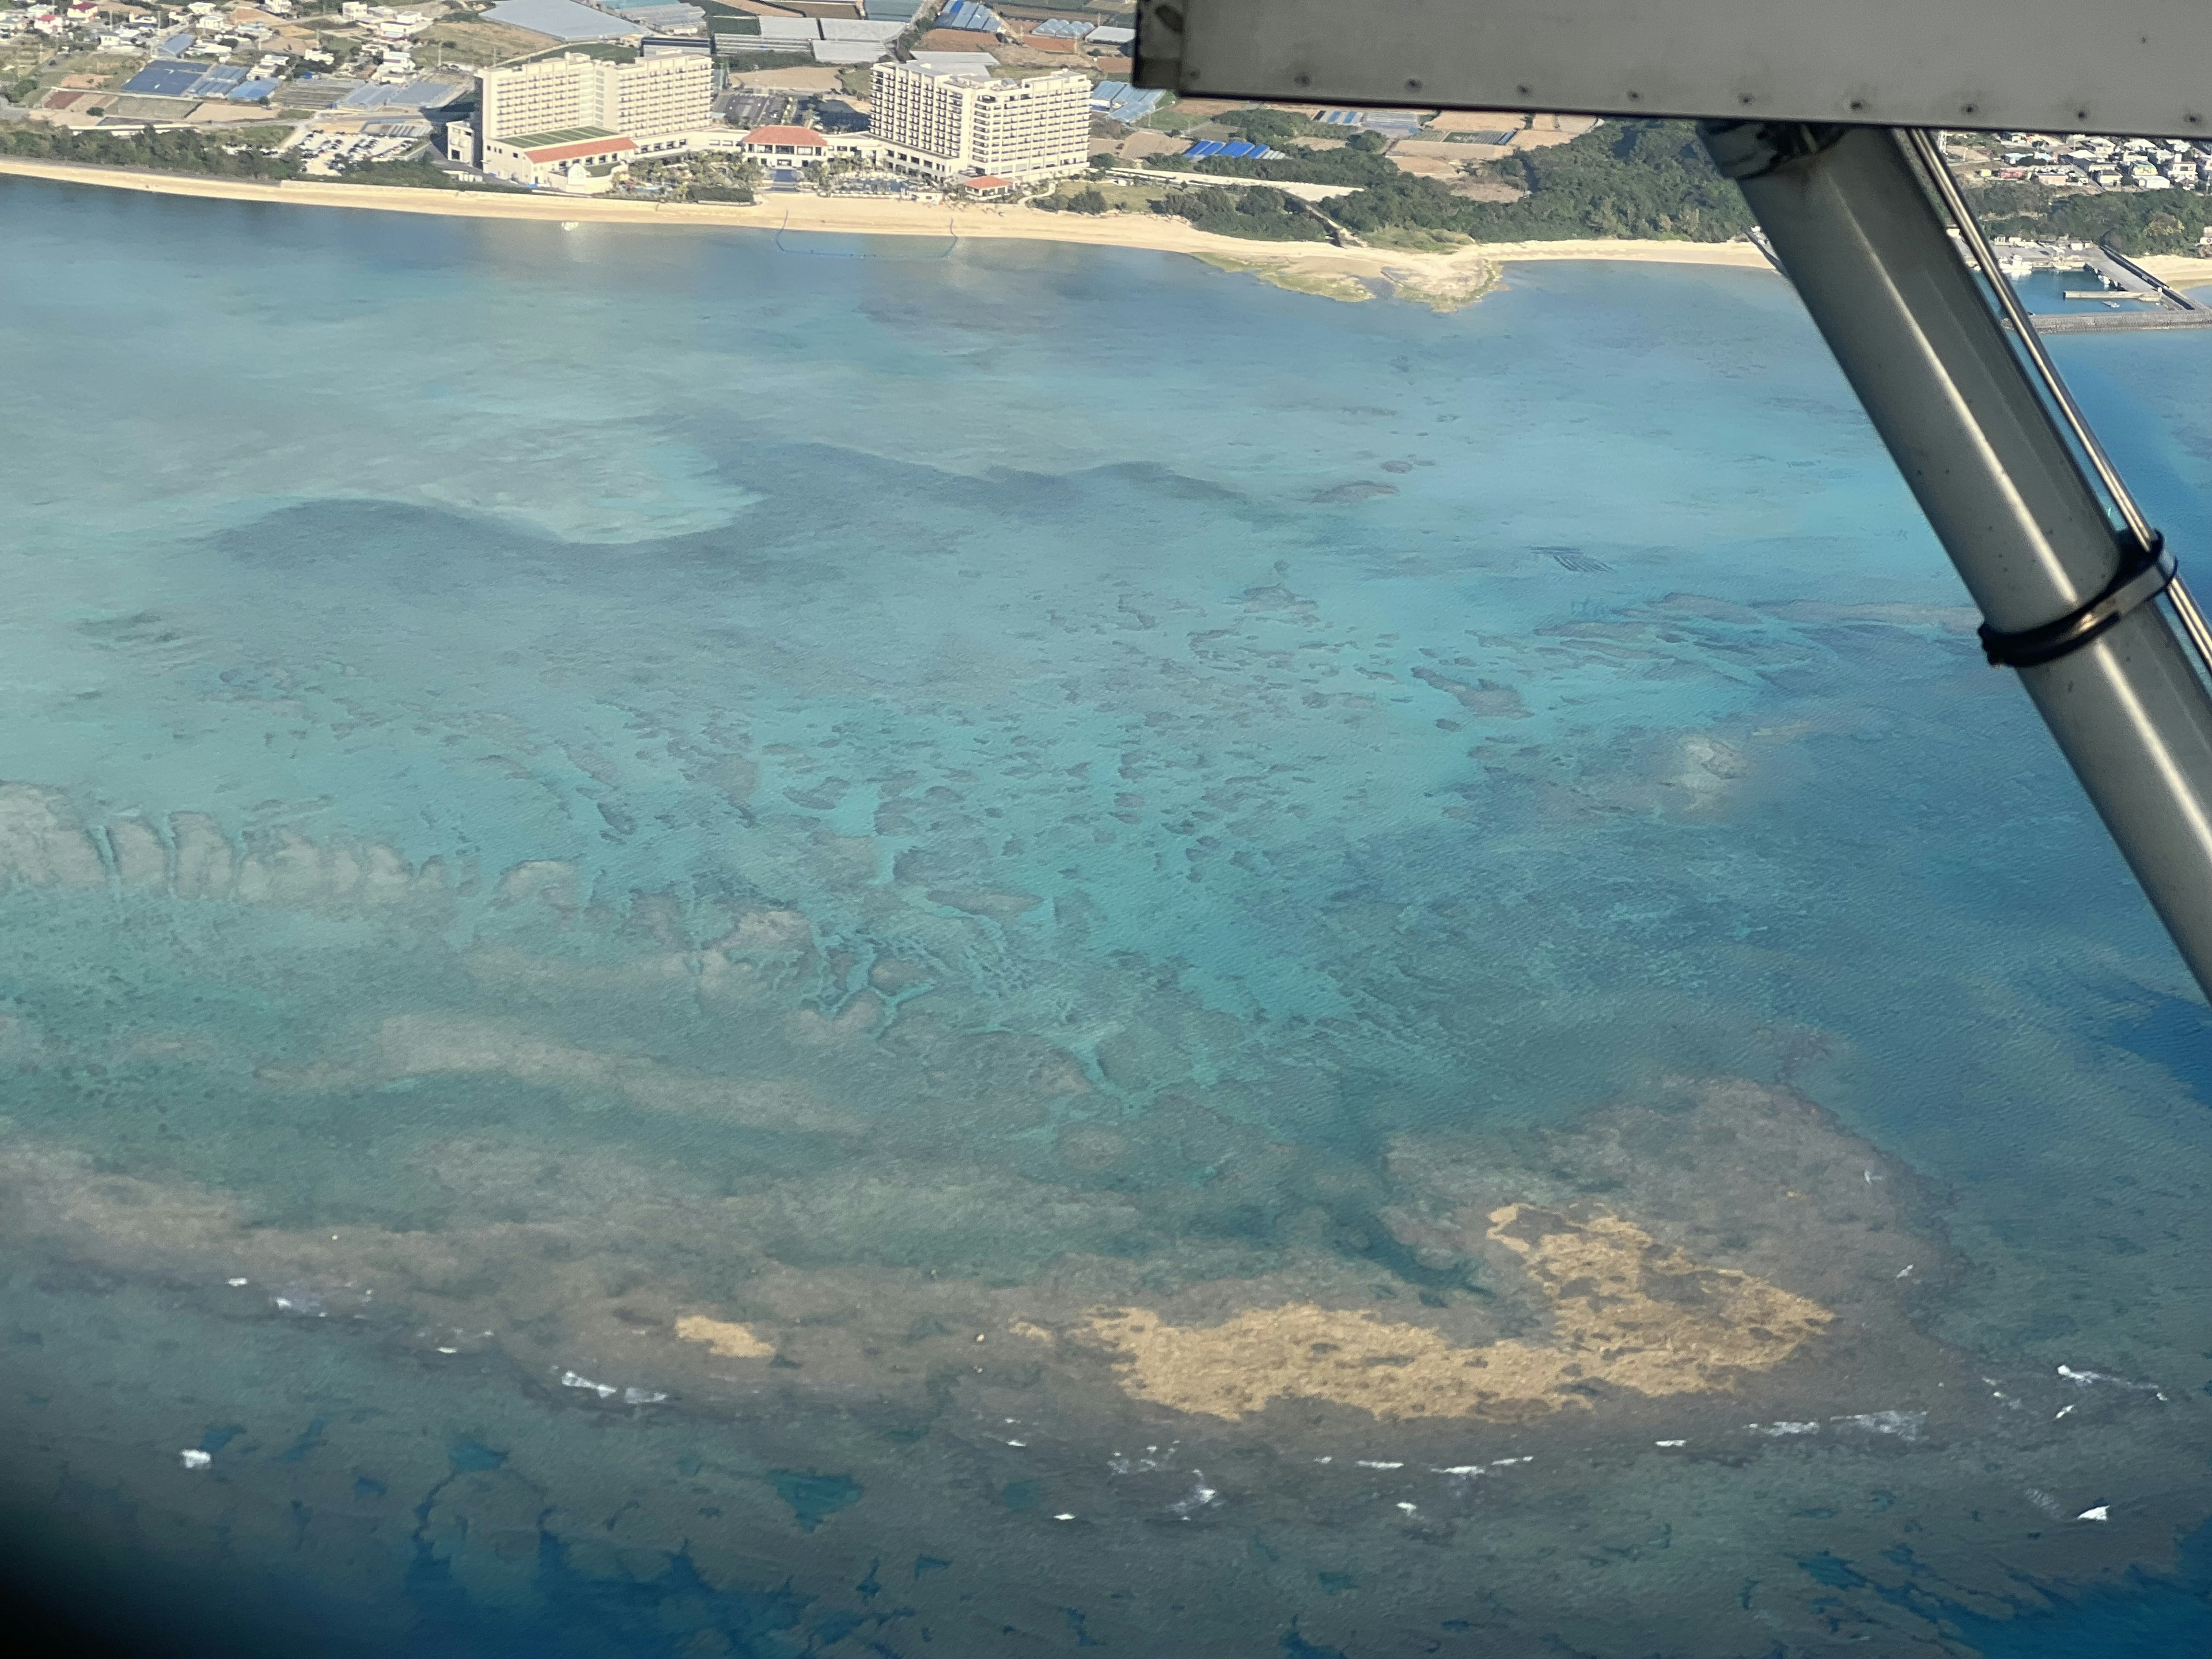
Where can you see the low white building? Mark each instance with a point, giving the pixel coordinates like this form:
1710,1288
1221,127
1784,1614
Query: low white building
787,147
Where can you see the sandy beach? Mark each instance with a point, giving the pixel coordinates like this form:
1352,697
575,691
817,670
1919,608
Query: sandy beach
1442,280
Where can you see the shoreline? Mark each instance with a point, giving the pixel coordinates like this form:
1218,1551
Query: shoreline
1442,280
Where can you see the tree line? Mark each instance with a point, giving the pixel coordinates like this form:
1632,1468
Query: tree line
1625,179
172,151
2134,222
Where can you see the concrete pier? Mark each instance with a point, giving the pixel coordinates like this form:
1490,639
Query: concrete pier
2139,300
2102,322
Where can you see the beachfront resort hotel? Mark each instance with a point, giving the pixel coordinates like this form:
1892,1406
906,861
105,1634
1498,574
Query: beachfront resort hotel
538,124
955,125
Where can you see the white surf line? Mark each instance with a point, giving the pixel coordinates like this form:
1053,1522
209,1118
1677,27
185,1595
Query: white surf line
2086,1379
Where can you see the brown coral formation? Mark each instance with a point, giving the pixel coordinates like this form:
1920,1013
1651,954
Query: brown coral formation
1626,1311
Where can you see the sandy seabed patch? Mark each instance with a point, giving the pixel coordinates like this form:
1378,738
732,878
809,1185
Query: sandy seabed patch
1626,1310
723,1337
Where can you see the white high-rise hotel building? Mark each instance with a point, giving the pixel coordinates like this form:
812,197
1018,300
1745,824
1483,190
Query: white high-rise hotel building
654,103
955,125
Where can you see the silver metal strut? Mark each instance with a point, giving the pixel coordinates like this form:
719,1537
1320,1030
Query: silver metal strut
1957,383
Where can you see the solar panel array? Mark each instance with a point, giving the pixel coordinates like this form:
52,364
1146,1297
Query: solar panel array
164,79
1236,152
252,92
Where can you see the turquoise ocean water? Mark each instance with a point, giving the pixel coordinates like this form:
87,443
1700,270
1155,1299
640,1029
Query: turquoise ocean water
564,783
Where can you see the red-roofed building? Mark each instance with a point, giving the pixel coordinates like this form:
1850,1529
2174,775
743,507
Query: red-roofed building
989,185
578,160
787,150
792,145
582,150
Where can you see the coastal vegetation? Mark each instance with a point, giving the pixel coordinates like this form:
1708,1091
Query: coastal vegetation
1265,216
1641,178
1634,178
1625,179
710,178
418,174
238,156
1090,199
1259,214
231,153
1261,126
2134,222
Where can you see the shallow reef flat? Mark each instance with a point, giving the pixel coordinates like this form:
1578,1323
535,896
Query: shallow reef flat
1565,1372
1004,1301
916,978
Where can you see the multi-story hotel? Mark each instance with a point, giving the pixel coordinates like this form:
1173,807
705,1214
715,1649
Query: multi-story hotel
956,126
651,104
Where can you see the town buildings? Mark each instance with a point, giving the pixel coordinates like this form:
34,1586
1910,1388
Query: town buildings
2083,162
951,126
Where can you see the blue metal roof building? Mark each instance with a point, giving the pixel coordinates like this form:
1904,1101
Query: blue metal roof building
1117,101
970,14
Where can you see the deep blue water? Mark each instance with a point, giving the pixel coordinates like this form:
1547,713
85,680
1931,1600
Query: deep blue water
562,782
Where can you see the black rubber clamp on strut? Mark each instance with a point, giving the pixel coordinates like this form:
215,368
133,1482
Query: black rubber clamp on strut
2145,573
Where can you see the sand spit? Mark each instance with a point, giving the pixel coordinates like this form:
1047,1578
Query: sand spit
1442,280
